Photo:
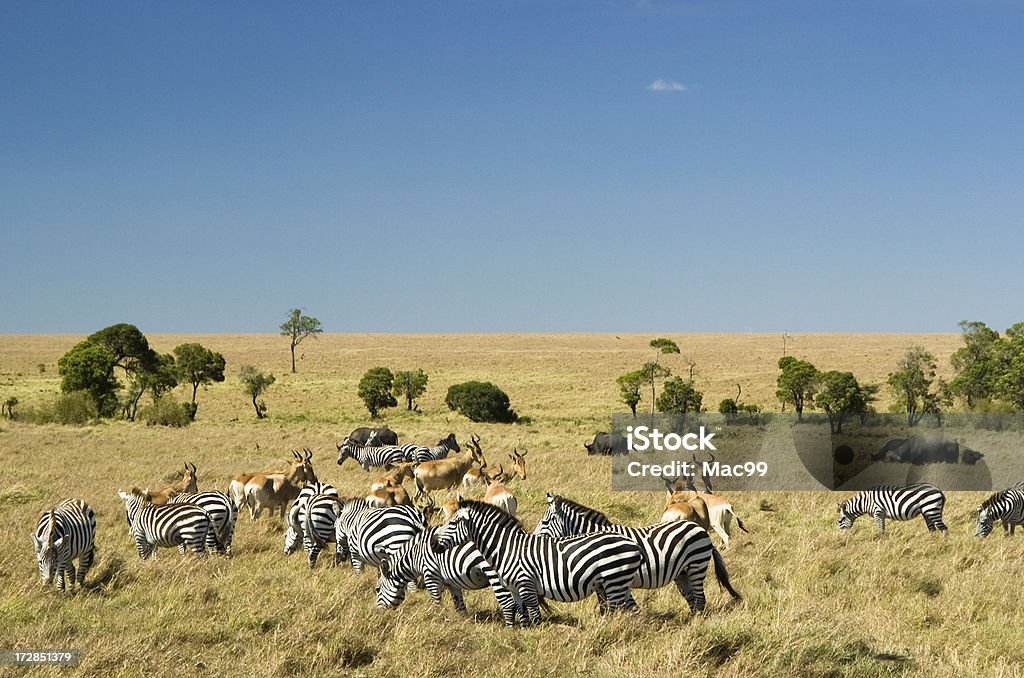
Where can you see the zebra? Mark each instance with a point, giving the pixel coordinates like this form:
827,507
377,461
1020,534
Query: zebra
366,533
1006,505
419,454
168,525
385,456
222,511
315,522
293,535
895,503
675,551
65,532
534,566
458,569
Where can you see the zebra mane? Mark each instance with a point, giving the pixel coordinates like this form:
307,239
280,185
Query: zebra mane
492,513
589,513
998,496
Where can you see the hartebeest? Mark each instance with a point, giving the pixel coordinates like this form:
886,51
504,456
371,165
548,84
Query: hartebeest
443,474
277,490
720,513
389,495
186,484
396,476
498,494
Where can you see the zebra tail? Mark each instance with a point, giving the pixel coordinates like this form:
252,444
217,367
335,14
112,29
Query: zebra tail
722,574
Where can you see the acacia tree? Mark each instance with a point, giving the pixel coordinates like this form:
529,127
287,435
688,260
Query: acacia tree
89,367
297,328
199,366
629,389
652,371
840,395
255,384
159,378
375,390
679,397
978,364
1010,383
410,385
797,384
911,384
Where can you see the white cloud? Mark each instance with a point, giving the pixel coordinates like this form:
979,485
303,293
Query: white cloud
660,85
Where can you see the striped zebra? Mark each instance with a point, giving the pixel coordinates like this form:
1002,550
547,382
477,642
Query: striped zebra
167,526
1006,505
895,503
383,456
65,532
459,569
534,566
419,454
222,511
314,527
367,533
676,551
293,534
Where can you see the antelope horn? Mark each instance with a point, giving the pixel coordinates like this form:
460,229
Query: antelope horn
309,454
193,466
295,455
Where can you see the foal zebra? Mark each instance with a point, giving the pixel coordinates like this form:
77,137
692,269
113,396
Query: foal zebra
532,566
366,533
419,454
65,532
223,513
675,551
895,503
384,456
168,525
1007,506
458,569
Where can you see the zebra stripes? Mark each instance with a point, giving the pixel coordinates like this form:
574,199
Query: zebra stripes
419,454
167,526
65,532
384,456
1007,506
366,533
675,551
223,513
314,525
895,503
296,516
534,566
462,568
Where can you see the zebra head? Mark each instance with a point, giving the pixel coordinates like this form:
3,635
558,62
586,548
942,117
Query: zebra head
345,449
133,502
453,533
983,527
47,548
846,517
450,443
553,522
395,574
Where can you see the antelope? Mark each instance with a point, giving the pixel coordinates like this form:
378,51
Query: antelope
186,484
686,506
394,477
498,494
389,495
443,474
277,490
720,513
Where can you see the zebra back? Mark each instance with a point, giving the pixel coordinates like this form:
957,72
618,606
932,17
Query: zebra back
223,514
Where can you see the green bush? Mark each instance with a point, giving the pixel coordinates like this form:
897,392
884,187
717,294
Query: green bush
481,401
75,408
166,411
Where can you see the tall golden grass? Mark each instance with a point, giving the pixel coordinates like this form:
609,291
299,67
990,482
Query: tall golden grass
816,601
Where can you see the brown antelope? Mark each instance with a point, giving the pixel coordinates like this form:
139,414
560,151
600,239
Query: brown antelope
186,484
394,477
498,494
444,474
389,495
277,490
720,513
686,506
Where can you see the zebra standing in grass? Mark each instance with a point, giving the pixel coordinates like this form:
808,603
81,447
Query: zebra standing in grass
222,511
895,503
1007,506
293,535
534,566
315,520
383,456
366,533
458,569
418,454
65,532
167,526
676,551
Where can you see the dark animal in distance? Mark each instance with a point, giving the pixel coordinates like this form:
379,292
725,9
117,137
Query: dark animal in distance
924,450
373,437
607,443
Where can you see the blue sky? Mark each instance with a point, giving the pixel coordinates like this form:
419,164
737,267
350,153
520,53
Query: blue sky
512,167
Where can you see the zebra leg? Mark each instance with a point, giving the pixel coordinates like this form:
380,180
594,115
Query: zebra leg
531,603
686,591
60,576
181,548
433,586
314,553
879,515
620,597
460,603
602,597
84,563
142,546
69,574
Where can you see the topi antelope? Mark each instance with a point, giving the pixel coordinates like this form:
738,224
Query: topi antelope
186,484
277,490
443,474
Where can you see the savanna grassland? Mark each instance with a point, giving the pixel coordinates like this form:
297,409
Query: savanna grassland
816,601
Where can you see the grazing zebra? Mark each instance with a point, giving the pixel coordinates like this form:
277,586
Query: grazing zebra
1007,506
315,522
168,525
895,503
222,511
458,569
534,566
383,456
675,551
65,532
419,454
366,533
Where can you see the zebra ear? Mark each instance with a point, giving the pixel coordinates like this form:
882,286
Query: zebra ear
37,543
385,566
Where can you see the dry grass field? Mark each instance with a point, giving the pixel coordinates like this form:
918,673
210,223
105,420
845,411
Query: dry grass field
816,602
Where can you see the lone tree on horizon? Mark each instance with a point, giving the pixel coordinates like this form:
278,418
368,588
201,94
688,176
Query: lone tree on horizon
298,327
